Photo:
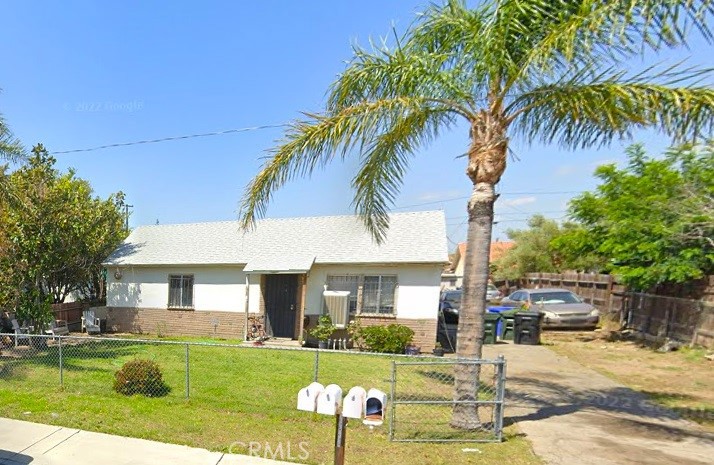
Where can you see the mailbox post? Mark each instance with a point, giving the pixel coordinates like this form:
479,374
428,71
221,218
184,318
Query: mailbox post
340,433
359,403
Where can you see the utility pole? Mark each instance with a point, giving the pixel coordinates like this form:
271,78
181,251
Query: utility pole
126,215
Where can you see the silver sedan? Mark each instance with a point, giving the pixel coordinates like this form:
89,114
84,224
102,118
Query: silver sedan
560,307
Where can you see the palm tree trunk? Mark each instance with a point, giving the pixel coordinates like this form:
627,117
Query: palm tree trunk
487,162
473,305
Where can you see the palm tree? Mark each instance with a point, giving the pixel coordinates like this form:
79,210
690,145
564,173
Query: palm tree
11,150
543,70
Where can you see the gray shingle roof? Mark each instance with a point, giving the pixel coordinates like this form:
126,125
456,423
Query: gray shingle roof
287,243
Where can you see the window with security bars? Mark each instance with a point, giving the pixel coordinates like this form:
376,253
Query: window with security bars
345,283
181,291
378,292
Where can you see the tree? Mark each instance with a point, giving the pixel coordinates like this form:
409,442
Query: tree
543,70
55,235
652,220
10,147
11,150
534,251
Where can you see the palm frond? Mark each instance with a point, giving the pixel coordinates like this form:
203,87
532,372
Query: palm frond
463,36
591,109
385,162
385,73
553,33
11,148
312,143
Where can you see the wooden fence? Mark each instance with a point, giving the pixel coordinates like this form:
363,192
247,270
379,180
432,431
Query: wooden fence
70,312
655,316
663,317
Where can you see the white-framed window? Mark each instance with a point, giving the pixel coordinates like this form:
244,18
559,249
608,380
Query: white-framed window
378,294
369,294
180,291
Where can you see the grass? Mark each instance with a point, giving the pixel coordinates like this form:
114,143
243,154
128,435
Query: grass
681,380
237,394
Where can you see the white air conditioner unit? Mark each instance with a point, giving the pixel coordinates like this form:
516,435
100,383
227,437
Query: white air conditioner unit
337,304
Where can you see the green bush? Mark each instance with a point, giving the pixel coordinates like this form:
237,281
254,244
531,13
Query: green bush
324,328
392,339
140,377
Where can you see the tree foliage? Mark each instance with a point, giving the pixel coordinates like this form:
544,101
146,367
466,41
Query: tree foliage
54,234
652,221
534,251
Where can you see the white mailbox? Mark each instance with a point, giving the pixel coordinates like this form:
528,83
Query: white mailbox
307,397
330,400
375,407
353,405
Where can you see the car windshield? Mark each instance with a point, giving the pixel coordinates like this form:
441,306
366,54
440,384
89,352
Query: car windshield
555,297
491,287
453,298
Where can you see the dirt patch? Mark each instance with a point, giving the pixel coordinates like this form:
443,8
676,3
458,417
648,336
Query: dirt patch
682,380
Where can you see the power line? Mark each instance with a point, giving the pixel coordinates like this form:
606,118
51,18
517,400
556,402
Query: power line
541,193
173,138
451,199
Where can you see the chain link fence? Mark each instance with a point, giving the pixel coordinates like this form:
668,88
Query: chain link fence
427,408
240,378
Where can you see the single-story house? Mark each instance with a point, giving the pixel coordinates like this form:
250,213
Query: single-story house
214,279
452,276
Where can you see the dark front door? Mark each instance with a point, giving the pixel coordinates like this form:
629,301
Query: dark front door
280,297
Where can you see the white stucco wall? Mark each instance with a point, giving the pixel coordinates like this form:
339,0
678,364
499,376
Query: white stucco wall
215,288
223,288
418,287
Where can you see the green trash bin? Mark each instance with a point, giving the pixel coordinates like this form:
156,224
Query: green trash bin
507,324
490,328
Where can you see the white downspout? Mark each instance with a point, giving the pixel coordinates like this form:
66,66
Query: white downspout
247,302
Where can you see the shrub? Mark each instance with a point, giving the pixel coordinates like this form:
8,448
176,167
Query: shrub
392,339
324,328
140,377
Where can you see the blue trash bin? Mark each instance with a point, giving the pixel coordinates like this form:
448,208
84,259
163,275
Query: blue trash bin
501,322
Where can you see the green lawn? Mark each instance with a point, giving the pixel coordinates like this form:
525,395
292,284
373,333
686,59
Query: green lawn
237,394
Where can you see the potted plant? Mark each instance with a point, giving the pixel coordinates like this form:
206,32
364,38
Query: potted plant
438,350
323,331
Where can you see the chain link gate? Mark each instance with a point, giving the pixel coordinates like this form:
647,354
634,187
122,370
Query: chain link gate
424,406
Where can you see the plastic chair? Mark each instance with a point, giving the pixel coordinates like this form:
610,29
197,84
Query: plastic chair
90,323
21,332
58,328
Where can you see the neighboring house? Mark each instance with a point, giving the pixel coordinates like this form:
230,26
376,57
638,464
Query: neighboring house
208,278
453,276
499,249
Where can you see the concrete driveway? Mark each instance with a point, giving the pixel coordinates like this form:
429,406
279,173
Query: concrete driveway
22,443
574,415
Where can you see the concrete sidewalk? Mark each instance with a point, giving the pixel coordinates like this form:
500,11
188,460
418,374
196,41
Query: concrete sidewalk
574,415
22,443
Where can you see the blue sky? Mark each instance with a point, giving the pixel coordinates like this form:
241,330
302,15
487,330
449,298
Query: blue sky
79,74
